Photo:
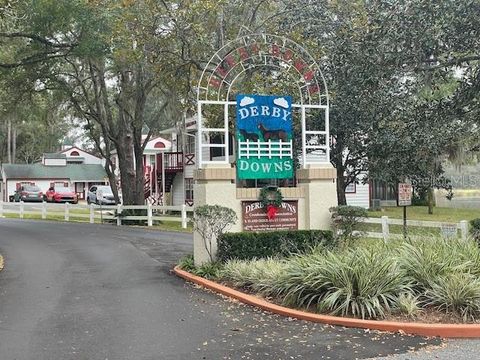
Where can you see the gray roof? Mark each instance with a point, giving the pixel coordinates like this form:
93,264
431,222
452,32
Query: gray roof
54,156
74,172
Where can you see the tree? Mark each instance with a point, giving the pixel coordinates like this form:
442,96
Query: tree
377,57
104,56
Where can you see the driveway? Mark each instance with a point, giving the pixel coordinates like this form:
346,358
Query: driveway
81,291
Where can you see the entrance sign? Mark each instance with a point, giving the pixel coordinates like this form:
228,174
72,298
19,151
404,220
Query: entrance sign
255,217
404,194
274,56
264,136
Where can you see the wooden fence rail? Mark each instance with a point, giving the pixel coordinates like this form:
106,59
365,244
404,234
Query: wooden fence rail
98,212
447,229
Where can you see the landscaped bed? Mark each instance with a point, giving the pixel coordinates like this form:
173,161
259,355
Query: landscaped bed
427,280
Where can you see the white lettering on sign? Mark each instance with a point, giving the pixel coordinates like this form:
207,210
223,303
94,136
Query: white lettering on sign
264,167
254,111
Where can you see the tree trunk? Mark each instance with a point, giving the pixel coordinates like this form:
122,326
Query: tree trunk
126,161
337,161
430,200
14,144
9,141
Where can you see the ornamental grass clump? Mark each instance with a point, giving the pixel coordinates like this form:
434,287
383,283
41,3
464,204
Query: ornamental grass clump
408,304
356,282
457,293
258,275
424,260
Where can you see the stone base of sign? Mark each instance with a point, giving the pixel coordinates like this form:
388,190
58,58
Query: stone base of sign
320,189
316,193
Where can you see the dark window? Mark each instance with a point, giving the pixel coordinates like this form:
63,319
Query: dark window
351,188
188,189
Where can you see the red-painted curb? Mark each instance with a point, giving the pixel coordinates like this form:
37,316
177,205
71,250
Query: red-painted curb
442,330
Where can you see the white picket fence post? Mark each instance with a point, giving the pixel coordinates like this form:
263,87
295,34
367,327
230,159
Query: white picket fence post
1,209
464,229
184,216
21,209
119,211
67,212
149,215
92,214
385,228
44,210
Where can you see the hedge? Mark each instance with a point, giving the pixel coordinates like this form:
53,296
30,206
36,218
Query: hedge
257,245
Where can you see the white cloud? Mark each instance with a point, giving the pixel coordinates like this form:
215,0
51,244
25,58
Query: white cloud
281,102
247,100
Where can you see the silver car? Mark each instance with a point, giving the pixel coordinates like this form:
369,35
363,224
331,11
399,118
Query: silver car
100,194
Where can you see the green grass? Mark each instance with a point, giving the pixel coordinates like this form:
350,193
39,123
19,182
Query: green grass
421,213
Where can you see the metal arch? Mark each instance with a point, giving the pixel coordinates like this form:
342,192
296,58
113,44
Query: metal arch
270,56
230,46
270,65
249,40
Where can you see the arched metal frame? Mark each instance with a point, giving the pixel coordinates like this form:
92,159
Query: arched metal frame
261,50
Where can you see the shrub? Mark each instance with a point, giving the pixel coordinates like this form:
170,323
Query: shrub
355,282
251,245
187,263
209,270
211,221
258,275
346,220
408,304
455,292
426,259
475,229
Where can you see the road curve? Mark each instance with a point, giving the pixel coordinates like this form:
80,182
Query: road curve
81,291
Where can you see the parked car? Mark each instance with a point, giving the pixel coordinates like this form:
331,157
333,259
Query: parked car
100,194
61,194
28,193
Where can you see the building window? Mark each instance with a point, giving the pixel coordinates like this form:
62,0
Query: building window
190,144
159,145
74,153
351,188
152,160
188,189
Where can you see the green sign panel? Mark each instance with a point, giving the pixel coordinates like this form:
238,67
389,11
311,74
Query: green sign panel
264,136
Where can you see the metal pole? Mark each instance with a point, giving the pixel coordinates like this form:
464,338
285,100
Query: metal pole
163,181
405,223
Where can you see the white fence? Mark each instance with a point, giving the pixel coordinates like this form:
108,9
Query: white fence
447,229
90,213
260,149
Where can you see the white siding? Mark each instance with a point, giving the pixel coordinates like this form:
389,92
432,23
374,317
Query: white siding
55,162
177,190
188,171
88,158
361,197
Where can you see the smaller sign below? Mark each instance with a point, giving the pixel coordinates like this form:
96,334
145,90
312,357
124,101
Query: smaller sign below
255,217
404,194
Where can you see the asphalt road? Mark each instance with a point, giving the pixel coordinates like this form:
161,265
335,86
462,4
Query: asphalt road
81,291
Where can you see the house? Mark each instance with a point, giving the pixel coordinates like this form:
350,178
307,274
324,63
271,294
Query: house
172,159
358,193
72,167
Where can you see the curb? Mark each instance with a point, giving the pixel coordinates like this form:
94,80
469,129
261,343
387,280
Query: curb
422,329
